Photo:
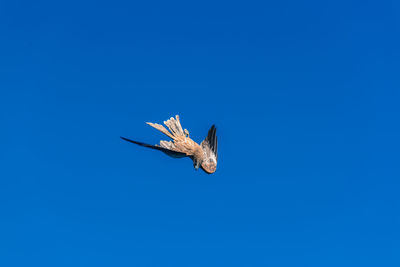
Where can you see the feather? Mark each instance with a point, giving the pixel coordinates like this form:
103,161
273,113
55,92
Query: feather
169,152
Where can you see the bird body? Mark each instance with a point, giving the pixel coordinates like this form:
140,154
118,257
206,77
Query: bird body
204,155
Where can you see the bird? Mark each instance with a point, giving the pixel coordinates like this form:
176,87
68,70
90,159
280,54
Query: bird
203,155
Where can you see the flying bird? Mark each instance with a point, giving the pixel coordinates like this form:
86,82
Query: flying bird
204,155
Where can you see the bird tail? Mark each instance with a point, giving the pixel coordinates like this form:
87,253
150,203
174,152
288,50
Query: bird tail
174,126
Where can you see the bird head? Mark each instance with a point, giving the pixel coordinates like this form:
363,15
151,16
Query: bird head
209,165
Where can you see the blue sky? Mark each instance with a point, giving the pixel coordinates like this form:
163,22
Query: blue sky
305,96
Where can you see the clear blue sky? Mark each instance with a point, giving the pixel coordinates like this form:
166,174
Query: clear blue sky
305,95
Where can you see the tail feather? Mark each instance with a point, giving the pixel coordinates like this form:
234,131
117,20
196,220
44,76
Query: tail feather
178,124
174,126
161,129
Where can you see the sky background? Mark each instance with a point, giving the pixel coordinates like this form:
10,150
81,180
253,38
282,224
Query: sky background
305,95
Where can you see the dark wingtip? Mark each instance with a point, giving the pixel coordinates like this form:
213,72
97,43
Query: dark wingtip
123,138
131,141
212,139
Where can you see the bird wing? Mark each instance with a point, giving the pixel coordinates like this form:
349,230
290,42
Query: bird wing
210,144
169,152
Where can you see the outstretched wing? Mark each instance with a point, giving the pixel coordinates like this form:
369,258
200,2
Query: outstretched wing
169,152
210,144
